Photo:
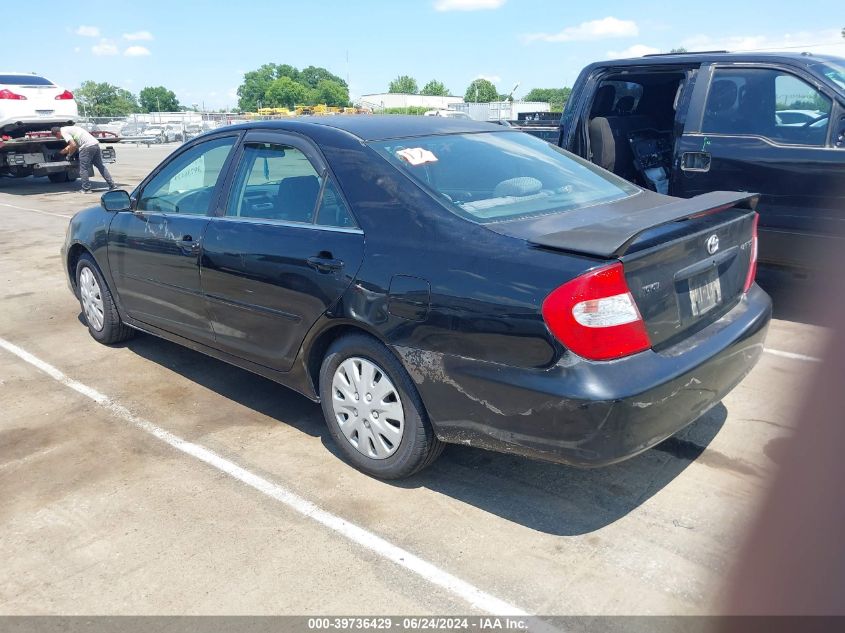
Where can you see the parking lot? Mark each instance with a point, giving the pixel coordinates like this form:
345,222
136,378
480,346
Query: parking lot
150,479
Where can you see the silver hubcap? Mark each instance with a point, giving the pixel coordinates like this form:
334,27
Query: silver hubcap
367,408
92,299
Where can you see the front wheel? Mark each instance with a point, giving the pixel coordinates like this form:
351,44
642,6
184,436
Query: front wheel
373,410
98,307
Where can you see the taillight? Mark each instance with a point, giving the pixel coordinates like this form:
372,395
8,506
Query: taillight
595,316
67,94
752,264
8,94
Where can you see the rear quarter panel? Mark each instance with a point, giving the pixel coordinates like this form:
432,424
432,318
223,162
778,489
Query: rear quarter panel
486,290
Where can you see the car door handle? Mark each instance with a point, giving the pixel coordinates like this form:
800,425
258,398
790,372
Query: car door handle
695,161
324,263
188,246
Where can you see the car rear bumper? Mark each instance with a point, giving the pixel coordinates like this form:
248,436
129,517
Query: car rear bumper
591,413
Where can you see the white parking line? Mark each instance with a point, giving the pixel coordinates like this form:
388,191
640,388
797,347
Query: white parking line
792,355
55,215
474,596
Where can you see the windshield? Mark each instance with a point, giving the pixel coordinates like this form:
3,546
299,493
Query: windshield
833,71
498,176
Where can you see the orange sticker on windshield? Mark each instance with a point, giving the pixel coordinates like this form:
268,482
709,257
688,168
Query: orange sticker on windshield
416,156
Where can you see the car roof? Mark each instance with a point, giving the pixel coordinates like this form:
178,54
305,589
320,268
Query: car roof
721,56
376,127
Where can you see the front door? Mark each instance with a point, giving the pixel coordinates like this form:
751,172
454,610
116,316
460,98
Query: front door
154,251
768,131
283,253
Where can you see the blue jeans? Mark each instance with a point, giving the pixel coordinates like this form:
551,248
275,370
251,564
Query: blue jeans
89,156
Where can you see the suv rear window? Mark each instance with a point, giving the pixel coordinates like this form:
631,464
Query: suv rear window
498,176
24,80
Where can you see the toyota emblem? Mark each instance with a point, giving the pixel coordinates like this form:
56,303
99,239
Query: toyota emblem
712,244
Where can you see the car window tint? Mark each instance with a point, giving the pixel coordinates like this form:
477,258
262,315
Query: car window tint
766,102
186,183
274,182
333,211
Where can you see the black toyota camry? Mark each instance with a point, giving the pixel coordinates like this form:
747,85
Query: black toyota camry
431,280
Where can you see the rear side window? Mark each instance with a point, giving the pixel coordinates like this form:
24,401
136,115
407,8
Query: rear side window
278,182
496,176
24,80
766,102
275,182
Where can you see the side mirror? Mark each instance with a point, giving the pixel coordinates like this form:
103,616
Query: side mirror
117,200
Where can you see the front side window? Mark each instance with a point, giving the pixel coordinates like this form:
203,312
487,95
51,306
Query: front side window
186,183
766,102
497,176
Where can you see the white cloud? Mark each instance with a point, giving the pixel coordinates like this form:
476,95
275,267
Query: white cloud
637,50
493,79
76,49
138,36
105,47
88,31
467,5
593,30
826,41
137,51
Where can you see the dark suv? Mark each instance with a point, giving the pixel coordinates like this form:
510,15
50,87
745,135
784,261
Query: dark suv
686,124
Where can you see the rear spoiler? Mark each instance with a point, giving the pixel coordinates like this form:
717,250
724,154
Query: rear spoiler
609,231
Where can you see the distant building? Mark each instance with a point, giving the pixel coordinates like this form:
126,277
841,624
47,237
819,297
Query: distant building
386,100
501,110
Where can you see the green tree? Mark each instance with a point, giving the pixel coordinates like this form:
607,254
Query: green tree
253,90
556,97
481,91
104,99
680,49
403,84
435,88
158,99
285,92
255,84
331,93
313,75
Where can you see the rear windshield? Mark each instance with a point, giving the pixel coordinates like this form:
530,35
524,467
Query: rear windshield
24,80
498,176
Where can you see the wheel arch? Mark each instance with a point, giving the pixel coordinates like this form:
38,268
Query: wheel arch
315,348
74,253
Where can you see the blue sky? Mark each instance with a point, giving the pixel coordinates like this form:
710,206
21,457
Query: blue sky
200,50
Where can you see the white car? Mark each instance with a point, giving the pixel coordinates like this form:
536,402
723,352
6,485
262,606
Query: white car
30,103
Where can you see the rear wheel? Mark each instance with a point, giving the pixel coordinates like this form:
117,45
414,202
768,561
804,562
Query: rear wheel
60,176
101,316
373,410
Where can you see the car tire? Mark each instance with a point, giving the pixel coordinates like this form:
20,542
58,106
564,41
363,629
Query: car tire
418,445
98,307
58,177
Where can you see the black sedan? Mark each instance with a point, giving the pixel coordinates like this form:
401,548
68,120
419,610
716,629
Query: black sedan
433,280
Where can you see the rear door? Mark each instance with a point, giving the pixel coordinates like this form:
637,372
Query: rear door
738,142
281,252
154,251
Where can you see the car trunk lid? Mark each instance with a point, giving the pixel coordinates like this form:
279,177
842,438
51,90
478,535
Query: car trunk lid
685,261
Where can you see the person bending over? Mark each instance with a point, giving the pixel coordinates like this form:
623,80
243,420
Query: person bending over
80,140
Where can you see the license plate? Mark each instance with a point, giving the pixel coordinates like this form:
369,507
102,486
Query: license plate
44,112
705,292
